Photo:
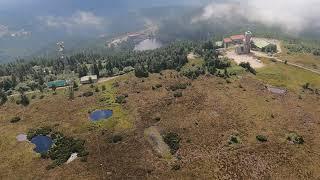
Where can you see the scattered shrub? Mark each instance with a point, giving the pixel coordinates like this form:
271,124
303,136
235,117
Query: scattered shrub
15,119
176,167
157,86
248,67
173,141
306,86
115,84
75,86
140,71
120,99
3,97
261,138
38,132
178,86
33,96
103,87
41,97
88,94
97,89
63,146
24,100
177,94
193,73
115,139
234,140
295,138
91,86
157,119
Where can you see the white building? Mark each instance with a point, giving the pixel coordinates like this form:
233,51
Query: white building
89,79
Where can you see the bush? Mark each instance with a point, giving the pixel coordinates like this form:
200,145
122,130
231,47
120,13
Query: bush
306,86
103,87
120,99
115,139
176,167
177,94
88,94
316,52
193,73
38,132
178,86
15,119
261,138
63,146
248,67
75,86
3,97
140,71
97,89
33,96
295,138
173,141
24,100
234,140
128,69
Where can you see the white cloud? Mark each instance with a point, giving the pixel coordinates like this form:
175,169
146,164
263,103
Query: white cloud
80,19
4,30
291,15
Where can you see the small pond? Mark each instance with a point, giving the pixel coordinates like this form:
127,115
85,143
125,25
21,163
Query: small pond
100,115
43,143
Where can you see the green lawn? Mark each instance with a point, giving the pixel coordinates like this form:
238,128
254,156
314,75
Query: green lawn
282,75
193,64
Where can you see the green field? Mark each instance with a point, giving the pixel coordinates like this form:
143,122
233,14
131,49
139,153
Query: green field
278,74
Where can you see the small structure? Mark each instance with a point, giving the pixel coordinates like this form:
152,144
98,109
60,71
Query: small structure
58,83
89,79
263,45
245,46
219,44
237,39
227,42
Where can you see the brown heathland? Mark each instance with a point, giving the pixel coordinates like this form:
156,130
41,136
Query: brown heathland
208,113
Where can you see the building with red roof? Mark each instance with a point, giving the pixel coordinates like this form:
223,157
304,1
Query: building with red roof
238,39
227,42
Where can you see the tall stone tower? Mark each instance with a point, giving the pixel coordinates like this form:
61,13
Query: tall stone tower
247,42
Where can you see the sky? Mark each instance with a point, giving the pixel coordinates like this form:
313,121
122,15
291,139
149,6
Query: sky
72,16
292,15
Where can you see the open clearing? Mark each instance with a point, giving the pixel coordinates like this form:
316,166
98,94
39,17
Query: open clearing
209,112
254,62
282,75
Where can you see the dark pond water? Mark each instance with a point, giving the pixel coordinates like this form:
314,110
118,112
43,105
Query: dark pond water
100,115
43,143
